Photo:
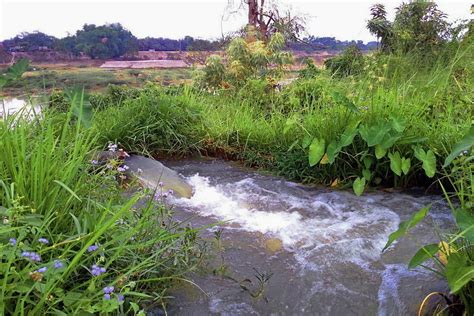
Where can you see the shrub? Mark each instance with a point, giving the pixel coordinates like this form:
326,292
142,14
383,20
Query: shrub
350,62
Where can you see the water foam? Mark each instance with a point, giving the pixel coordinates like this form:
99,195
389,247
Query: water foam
300,222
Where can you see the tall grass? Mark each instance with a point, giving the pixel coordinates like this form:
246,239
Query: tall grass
271,129
68,235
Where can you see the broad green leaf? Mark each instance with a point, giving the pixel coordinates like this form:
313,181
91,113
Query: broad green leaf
358,186
373,135
19,68
464,144
428,159
368,162
398,124
367,174
407,225
395,163
306,141
344,101
332,151
465,222
389,140
348,135
406,164
425,253
458,272
380,152
316,151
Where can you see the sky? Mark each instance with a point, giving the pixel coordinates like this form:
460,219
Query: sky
344,20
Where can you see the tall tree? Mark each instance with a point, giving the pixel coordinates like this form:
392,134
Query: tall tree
266,18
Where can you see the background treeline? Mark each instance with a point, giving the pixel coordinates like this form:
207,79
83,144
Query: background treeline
113,41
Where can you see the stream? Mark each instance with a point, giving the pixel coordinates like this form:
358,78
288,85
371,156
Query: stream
316,251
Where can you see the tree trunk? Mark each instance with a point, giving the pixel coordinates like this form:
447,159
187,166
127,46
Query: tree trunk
253,12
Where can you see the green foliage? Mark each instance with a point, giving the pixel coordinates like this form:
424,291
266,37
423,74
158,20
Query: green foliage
310,70
55,205
405,226
453,256
101,42
151,122
419,26
349,63
428,159
462,147
358,186
14,72
245,60
316,151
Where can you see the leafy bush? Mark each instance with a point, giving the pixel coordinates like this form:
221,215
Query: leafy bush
310,71
350,62
245,60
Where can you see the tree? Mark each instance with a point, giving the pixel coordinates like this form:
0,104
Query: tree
267,19
380,26
244,61
29,42
418,25
105,41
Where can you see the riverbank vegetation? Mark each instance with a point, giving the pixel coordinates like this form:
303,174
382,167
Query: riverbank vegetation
400,117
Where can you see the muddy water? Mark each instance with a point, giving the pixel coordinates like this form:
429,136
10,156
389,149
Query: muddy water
321,249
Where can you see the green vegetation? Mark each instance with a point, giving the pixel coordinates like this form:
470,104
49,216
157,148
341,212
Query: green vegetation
70,241
45,79
400,117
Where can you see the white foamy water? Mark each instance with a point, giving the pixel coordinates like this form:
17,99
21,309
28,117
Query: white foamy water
310,224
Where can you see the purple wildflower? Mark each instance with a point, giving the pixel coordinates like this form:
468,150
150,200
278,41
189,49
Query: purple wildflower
43,241
13,241
107,296
58,264
108,289
33,256
42,270
122,168
161,184
170,192
92,248
97,270
120,298
94,162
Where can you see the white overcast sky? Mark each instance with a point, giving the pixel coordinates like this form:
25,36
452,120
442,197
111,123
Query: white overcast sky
344,20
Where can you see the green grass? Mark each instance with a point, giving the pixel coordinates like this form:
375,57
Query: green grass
92,79
49,189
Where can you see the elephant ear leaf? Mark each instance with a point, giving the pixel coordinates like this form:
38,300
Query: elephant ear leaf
425,253
465,144
316,151
358,186
428,159
395,163
405,226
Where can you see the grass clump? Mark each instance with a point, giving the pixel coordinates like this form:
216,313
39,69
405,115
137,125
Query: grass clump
70,242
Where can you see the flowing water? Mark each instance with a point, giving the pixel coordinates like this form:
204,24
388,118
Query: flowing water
320,248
